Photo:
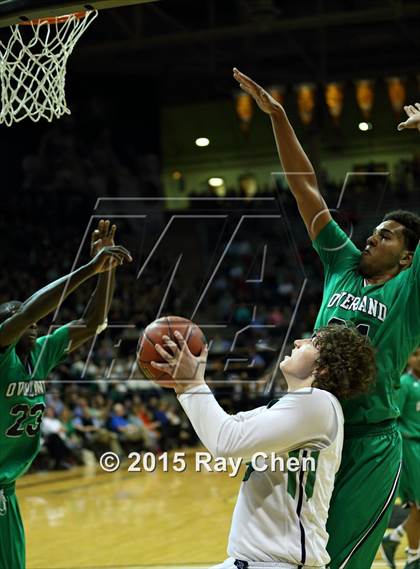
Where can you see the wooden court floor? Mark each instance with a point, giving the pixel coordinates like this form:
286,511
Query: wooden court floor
88,519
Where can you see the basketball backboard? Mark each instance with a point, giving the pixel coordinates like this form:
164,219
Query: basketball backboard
17,11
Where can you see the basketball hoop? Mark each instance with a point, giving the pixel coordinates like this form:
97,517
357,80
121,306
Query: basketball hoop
33,66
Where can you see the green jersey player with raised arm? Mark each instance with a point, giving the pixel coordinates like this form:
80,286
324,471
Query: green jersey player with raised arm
378,289
25,363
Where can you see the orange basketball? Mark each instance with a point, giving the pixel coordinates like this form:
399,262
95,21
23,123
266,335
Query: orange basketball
152,335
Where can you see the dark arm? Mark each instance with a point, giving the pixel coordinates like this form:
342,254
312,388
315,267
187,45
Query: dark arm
42,303
300,175
96,312
296,165
51,296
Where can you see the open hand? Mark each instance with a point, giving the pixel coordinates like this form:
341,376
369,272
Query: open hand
187,369
103,236
109,258
413,121
264,100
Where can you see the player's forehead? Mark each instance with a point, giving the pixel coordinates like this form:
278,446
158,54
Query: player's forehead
390,226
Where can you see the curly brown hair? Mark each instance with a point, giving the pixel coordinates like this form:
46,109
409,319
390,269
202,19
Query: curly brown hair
346,365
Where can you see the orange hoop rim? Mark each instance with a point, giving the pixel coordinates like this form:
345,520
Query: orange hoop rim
54,19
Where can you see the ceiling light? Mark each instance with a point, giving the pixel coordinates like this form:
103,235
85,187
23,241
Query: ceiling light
364,126
216,182
203,141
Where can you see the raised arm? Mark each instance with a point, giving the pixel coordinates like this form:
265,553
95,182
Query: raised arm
46,300
95,318
295,163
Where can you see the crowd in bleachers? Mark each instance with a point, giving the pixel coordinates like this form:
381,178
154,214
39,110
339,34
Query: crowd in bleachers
79,425
97,399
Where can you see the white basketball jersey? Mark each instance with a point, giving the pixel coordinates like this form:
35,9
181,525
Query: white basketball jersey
280,515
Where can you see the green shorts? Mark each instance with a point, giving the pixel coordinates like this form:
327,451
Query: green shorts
409,491
12,536
364,494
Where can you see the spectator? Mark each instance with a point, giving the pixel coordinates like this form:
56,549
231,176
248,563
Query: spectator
127,431
54,433
95,437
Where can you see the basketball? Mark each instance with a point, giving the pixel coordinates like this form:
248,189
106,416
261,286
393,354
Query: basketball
152,335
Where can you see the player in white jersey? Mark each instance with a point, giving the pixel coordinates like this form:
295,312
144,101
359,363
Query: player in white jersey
280,515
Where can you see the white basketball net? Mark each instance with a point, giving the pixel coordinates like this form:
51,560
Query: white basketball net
33,68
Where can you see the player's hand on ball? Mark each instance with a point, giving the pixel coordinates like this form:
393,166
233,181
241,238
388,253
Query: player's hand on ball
110,257
264,100
413,121
102,237
187,370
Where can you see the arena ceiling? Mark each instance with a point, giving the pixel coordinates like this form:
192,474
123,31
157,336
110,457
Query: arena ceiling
190,46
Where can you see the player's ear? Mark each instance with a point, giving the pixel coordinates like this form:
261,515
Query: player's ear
323,372
406,259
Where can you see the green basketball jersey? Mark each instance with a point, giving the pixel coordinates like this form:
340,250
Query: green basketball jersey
22,401
388,313
409,404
